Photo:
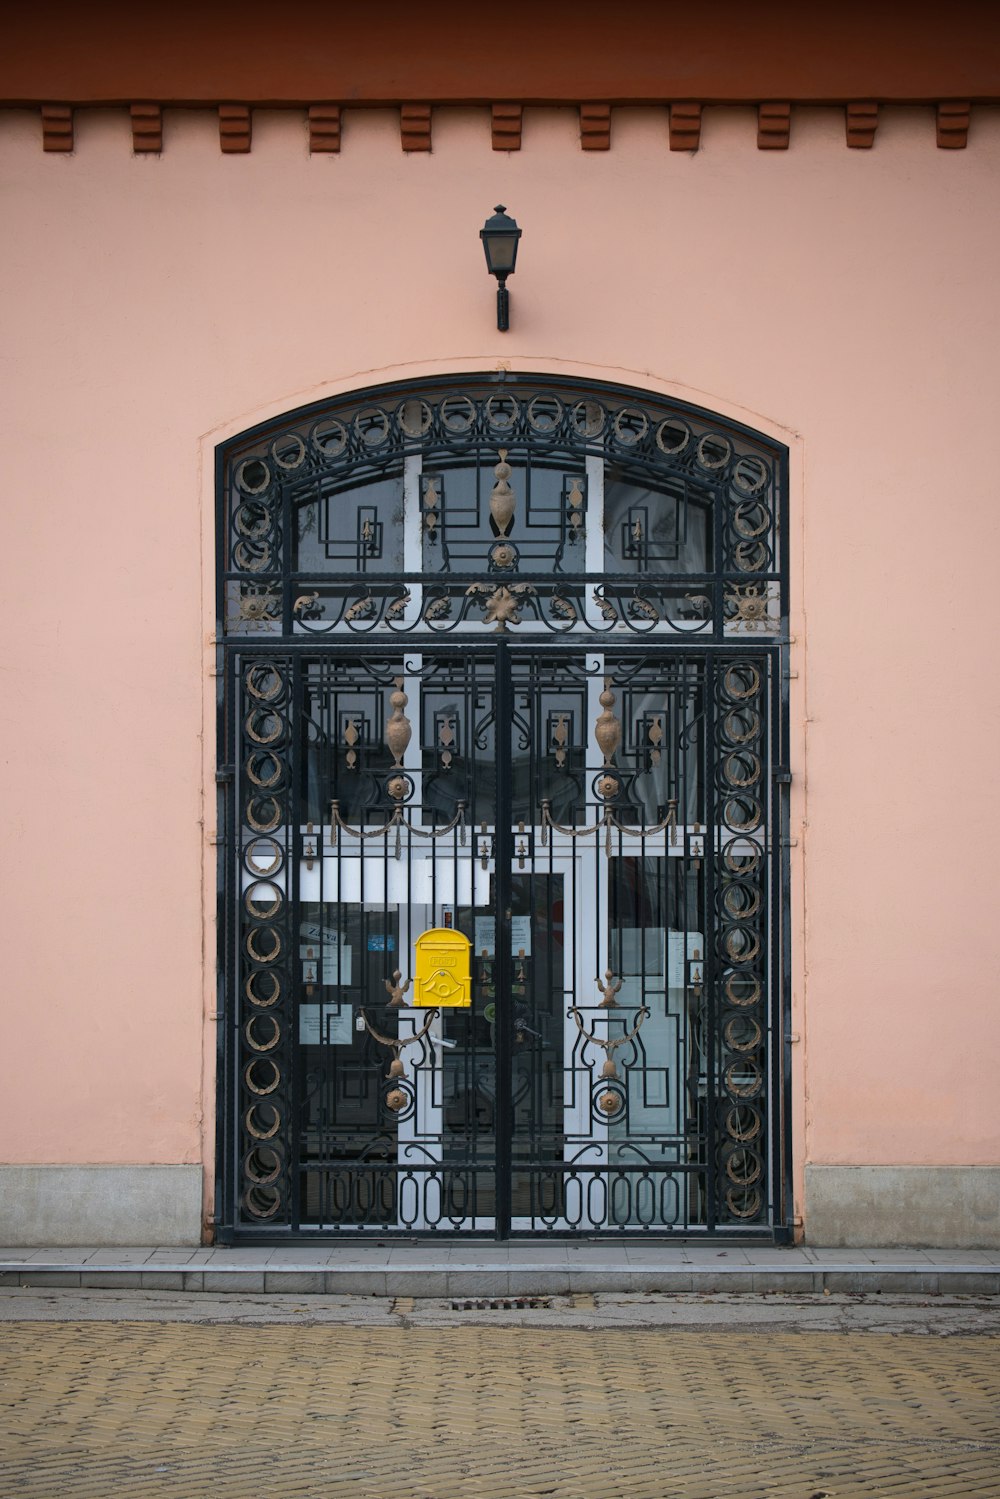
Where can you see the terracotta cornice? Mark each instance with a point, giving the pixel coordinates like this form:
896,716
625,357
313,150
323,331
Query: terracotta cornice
724,51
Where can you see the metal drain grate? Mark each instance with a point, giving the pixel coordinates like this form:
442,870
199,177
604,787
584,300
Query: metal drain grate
501,1304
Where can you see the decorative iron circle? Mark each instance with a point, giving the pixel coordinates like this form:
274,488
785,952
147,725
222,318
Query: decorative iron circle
252,854
504,555
419,429
262,1202
253,893
608,1099
742,768
742,944
262,1032
262,1165
260,821
673,427
743,1078
742,901
263,1001
751,519
742,1033
742,813
253,937
254,1121
750,474
608,786
400,787
502,415
253,476
544,415
253,765
743,1166
714,451
631,426
252,520
743,1123
252,556
587,419
264,725
329,438
742,989
372,428
741,680
751,556
741,725
399,1091
458,415
289,451
263,682
262,1076
741,857
744,1204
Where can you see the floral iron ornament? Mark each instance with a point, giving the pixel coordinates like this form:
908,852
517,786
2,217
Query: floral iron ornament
397,1099
501,605
399,786
608,733
609,1101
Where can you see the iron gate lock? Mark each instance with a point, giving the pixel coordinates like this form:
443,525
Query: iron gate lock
443,971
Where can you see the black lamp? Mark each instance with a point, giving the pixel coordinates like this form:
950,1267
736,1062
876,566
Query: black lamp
500,235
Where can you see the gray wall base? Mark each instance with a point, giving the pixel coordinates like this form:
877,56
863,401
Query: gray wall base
98,1205
934,1207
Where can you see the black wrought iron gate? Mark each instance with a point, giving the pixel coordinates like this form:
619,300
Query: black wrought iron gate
601,819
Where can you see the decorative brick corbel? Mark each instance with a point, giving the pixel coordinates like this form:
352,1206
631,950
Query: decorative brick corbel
773,126
506,127
57,127
595,127
861,122
324,127
953,125
147,128
685,127
415,127
234,128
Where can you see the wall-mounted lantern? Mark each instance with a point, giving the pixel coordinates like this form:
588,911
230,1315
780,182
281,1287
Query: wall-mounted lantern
500,235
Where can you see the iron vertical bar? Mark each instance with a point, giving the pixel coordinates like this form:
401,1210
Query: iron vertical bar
298,798
227,957
713,827
503,893
781,958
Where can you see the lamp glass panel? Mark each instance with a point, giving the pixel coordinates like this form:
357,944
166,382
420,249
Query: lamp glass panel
501,252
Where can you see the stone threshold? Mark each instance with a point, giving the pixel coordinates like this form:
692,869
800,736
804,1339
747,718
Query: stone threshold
429,1270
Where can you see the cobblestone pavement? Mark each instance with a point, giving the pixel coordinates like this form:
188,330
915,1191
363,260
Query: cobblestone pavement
587,1398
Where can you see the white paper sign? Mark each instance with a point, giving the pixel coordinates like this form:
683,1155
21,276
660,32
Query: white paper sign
681,945
336,965
326,1025
485,939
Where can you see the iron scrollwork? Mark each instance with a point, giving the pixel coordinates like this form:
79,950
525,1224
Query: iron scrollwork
442,534
522,558
610,787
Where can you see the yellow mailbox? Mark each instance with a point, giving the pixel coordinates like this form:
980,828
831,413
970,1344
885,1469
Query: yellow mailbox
442,972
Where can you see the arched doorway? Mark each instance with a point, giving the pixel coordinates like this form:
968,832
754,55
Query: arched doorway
503,660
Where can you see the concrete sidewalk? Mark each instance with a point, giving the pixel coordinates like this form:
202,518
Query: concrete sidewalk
451,1268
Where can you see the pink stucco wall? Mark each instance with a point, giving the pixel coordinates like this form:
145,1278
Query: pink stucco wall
845,301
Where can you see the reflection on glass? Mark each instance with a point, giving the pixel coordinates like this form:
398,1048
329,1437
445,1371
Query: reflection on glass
546,529
358,530
656,947
663,530
346,952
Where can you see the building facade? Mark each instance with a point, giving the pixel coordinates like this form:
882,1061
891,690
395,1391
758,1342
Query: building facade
637,656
